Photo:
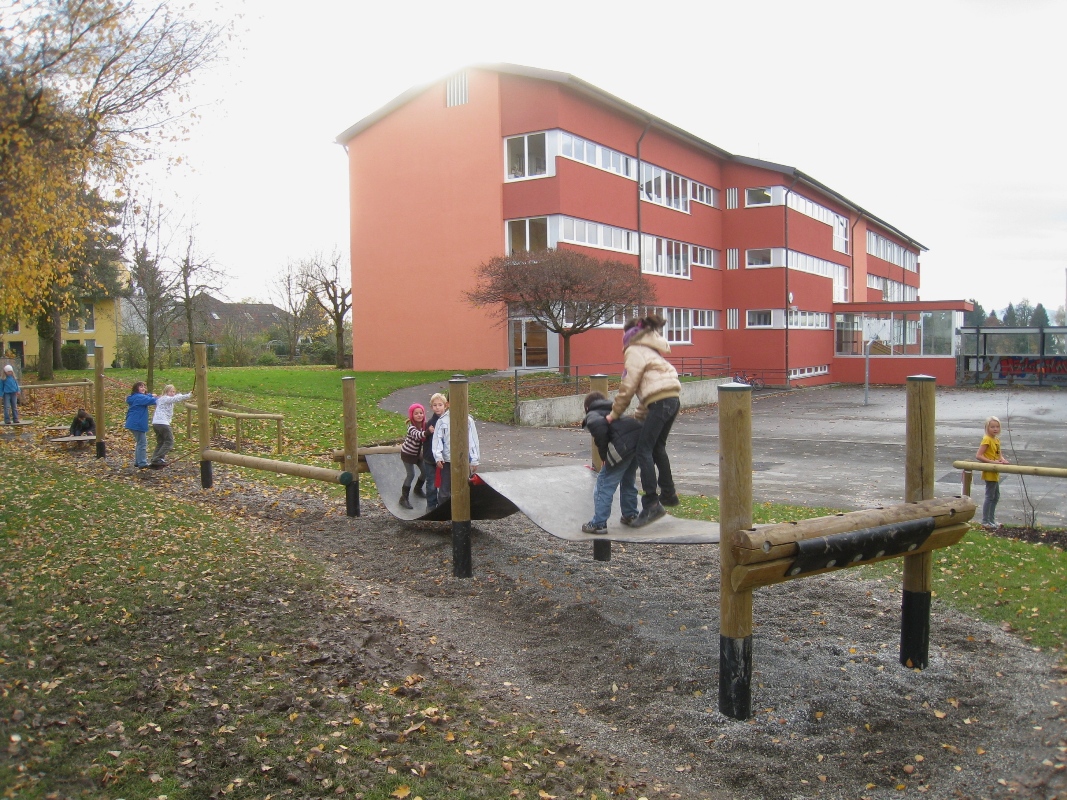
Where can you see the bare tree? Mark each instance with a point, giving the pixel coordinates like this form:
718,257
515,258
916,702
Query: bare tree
288,292
155,289
566,291
328,284
197,277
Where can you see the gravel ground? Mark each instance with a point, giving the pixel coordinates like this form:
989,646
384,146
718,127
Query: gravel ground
624,655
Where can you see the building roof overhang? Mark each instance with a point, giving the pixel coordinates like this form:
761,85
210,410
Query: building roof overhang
589,90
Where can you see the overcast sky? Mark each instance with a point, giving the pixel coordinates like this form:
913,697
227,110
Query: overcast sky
942,117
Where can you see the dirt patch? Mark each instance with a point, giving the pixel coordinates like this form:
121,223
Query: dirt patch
623,656
1034,536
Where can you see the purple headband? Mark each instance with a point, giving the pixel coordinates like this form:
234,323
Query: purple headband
629,335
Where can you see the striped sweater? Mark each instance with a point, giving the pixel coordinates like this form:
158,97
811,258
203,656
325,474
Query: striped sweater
411,449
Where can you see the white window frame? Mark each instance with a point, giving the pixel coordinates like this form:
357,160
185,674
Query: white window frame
664,188
703,194
776,254
704,257
511,249
666,257
732,319
775,195
596,155
887,250
598,235
808,372
705,319
763,313
550,161
812,320
679,327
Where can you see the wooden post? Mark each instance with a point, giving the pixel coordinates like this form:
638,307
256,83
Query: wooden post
351,460
967,476
280,438
918,485
735,515
237,434
601,547
98,370
203,420
459,452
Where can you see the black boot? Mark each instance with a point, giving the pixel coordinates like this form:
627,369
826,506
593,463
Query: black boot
418,487
404,502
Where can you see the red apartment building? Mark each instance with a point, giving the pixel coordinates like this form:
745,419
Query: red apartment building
753,261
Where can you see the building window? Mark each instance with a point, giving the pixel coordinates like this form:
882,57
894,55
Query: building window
732,317
90,347
840,234
732,258
704,194
678,329
765,257
664,188
705,257
817,320
456,90
808,372
880,247
14,327
527,234
73,323
731,198
837,223
758,318
526,156
764,196
594,234
705,319
578,149
89,316
661,256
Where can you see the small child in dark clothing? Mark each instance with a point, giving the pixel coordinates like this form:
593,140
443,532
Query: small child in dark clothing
617,444
83,424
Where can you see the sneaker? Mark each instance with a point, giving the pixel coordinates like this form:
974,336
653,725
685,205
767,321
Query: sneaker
591,527
649,514
669,499
628,521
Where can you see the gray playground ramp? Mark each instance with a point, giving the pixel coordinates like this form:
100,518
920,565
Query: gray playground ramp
556,499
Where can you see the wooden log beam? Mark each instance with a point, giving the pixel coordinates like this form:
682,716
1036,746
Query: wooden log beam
283,467
750,576
1014,469
68,385
385,449
779,541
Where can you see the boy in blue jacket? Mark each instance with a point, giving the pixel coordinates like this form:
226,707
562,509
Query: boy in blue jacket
137,421
617,444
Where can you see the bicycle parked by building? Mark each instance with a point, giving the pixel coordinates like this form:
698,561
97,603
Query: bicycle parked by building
750,380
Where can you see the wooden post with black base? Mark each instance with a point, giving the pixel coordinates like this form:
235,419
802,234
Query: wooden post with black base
203,418
459,452
918,485
735,515
348,396
98,391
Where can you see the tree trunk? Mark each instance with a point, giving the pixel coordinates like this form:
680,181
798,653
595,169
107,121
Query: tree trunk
57,340
339,338
151,359
566,354
46,331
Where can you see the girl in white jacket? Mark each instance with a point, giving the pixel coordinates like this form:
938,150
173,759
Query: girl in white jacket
441,454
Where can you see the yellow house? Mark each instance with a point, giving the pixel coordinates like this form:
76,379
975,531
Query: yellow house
96,324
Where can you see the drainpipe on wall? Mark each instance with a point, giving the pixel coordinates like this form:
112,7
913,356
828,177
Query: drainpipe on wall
648,124
788,297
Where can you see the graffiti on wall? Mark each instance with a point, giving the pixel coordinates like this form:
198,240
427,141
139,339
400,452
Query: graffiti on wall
1020,369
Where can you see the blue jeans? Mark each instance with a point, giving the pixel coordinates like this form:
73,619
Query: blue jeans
607,481
652,449
140,448
11,408
429,470
989,507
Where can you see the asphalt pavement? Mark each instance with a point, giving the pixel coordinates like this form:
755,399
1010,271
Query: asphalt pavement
825,447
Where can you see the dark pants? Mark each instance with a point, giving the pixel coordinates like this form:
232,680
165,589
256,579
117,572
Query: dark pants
989,507
429,470
652,450
164,442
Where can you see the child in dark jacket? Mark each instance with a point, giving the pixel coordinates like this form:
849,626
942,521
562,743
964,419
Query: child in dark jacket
617,444
438,404
83,424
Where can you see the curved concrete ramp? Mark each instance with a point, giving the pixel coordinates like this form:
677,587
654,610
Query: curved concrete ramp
388,473
556,499
560,499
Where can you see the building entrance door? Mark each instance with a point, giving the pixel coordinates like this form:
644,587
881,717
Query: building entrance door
532,345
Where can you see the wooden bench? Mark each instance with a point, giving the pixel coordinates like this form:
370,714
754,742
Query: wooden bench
79,440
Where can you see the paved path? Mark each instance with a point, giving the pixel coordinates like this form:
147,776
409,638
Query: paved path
824,447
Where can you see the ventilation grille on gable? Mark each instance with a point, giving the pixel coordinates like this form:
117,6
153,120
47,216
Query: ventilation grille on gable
456,90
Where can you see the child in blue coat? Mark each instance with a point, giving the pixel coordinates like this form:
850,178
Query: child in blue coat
11,390
617,444
137,421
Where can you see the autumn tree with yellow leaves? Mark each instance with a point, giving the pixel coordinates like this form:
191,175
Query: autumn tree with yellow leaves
86,86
